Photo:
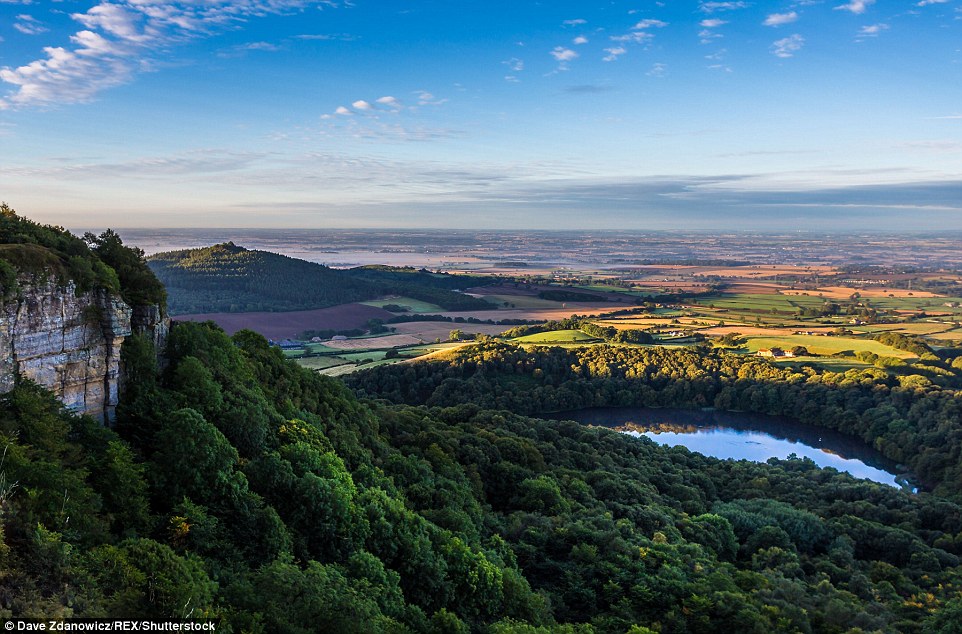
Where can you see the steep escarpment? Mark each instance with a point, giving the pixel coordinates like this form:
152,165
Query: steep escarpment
66,307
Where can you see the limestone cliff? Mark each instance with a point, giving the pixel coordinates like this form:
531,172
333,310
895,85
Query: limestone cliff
70,343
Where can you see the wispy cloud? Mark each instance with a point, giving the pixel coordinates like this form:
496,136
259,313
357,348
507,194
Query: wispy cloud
788,46
872,30
515,64
649,23
712,7
581,39
614,52
857,7
778,19
575,22
29,25
327,37
120,40
925,3
711,23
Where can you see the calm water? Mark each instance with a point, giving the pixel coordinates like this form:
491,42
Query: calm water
745,436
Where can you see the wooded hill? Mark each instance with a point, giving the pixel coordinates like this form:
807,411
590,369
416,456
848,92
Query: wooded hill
229,278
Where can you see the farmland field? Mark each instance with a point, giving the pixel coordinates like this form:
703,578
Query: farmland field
431,330
291,324
319,363
826,345
368,343
413,305
559,336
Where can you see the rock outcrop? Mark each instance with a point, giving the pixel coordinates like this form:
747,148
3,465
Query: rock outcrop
70,343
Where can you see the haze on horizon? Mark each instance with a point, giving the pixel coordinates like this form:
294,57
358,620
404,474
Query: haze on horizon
693,115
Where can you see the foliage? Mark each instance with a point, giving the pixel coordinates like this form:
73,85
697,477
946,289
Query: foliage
230,278
910,418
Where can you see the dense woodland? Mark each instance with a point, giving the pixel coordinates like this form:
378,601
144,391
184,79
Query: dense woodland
911,418
230,278
240,487
44,252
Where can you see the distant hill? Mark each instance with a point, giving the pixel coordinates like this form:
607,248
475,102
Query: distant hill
229,278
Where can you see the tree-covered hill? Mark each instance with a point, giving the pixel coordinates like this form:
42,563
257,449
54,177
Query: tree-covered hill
240,487
914,419
46,252
230,278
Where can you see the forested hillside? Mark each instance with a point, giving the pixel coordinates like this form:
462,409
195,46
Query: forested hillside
914,419
230,278
240,487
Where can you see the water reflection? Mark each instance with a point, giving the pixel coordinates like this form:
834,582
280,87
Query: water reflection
746,436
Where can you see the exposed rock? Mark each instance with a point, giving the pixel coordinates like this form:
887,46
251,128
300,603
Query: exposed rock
70,343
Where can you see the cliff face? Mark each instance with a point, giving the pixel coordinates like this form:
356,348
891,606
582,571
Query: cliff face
70,344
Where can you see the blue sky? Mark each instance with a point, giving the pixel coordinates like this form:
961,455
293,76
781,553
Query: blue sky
825,115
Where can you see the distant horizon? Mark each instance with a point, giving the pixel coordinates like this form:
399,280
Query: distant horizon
575,230
693,114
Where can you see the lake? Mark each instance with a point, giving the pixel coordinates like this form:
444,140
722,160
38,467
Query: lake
747,436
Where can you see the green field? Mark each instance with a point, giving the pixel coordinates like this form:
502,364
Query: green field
556,336
833,364
608,288
520,301
762,302
319,363
413,305
932,304
907,328
825,345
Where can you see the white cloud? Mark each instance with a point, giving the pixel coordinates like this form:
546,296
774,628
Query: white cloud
389,101
778,19
360,104
647,24
712,23
581,39
657,70
635,36
925,3
120,40
427,99
575,22
788,46
563,54
872,30
29,25
343,111
515,64
857,7
712,7
614,53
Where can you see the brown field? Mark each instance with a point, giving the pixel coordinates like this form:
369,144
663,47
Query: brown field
765,270
951,335
291,324
673,284
844,292
541,314
389,341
